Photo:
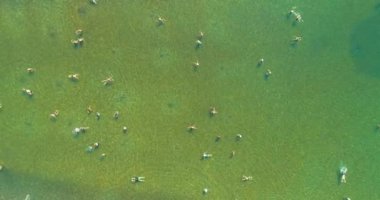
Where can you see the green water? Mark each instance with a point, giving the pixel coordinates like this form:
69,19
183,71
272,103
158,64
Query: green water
317,111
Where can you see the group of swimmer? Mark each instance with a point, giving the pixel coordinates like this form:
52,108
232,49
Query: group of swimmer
137,179
342,177
78,42
83,129
297,19
73,77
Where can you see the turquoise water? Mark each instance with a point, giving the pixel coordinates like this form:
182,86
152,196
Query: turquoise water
316,112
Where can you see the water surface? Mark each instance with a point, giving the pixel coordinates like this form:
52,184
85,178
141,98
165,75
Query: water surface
317,111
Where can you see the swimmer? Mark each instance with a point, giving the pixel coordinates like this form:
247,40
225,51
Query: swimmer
198,43
213,111
116,115
161,21
206,156
27,92
54,115
196,65
79,32
92,147
268,73
78,130
297,39
30,70
80,41
297,15
191,128
75,43
200,35
261,62
239,137
102,156
246,178
73,77
108,81
125,129
205,191
232,154
89,110
137,179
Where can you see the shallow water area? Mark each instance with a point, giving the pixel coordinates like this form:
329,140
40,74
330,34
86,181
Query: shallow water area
315,112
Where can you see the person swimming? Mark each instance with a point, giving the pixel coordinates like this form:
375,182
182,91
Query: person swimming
206,156
137,179
342,173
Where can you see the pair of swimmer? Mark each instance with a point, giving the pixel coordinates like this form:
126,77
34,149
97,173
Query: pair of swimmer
342,173
137,179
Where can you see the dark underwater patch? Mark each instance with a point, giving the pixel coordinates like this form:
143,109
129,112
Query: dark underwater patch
365,45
